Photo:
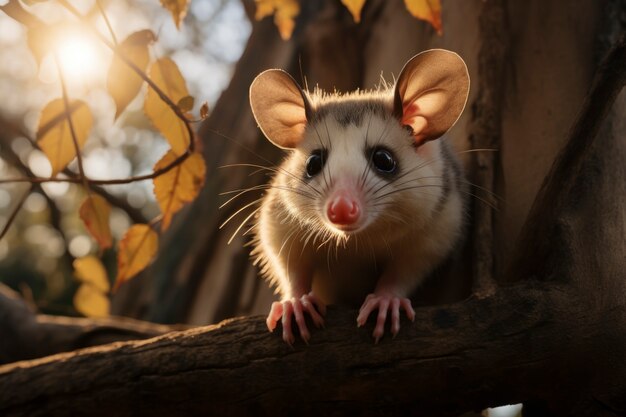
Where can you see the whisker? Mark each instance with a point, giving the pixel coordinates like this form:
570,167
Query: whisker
406,189
476,150
490,204
483,189
243,191
242,224
275,170
285,242
430,197
239,211
413,180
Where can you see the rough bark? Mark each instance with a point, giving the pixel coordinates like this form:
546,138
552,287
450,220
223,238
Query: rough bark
509,347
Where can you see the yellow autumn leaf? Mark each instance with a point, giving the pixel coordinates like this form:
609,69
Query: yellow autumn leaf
95,211
178,186
53,133
91,302
166,75
89,270
428,10
178,9
284,11
135,252
354,6
122,82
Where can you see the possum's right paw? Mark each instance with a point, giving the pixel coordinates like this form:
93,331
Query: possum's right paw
295,307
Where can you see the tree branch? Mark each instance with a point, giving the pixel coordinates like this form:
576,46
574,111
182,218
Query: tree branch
13,214
453,359
26,335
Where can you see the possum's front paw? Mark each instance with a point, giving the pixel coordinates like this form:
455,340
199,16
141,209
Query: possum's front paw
384,303
294,308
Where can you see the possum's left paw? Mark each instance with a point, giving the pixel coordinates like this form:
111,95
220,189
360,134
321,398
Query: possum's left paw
384,303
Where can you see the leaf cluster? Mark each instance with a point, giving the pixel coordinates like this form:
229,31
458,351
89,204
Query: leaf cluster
65,125
286,11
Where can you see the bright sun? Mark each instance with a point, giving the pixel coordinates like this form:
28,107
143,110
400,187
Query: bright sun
78,58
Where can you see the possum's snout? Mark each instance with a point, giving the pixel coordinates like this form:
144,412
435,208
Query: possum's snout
344,210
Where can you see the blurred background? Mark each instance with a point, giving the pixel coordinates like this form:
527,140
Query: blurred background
37,252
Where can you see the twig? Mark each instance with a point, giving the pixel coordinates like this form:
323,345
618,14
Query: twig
135,215
106,21
90,181
14,213
55,214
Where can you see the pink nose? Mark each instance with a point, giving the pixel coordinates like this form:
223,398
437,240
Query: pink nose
343,210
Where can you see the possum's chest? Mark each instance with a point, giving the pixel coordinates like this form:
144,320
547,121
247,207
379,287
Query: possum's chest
346,275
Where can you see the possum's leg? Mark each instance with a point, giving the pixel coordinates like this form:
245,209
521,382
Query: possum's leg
414,258
293,275
297,301
285,263
410,266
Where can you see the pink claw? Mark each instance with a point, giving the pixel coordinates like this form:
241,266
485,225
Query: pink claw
384,304
295,308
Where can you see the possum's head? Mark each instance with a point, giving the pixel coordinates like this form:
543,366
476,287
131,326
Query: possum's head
365,160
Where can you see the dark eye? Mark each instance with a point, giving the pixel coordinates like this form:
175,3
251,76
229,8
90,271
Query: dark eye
315,163
384,161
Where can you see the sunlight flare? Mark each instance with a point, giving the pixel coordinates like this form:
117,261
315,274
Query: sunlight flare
78,58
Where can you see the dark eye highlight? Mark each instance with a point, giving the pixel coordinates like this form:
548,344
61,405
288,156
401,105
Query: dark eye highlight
384,161
315,162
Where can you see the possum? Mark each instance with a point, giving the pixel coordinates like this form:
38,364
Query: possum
369,199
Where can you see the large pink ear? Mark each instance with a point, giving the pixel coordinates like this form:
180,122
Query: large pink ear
280,107
431,93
